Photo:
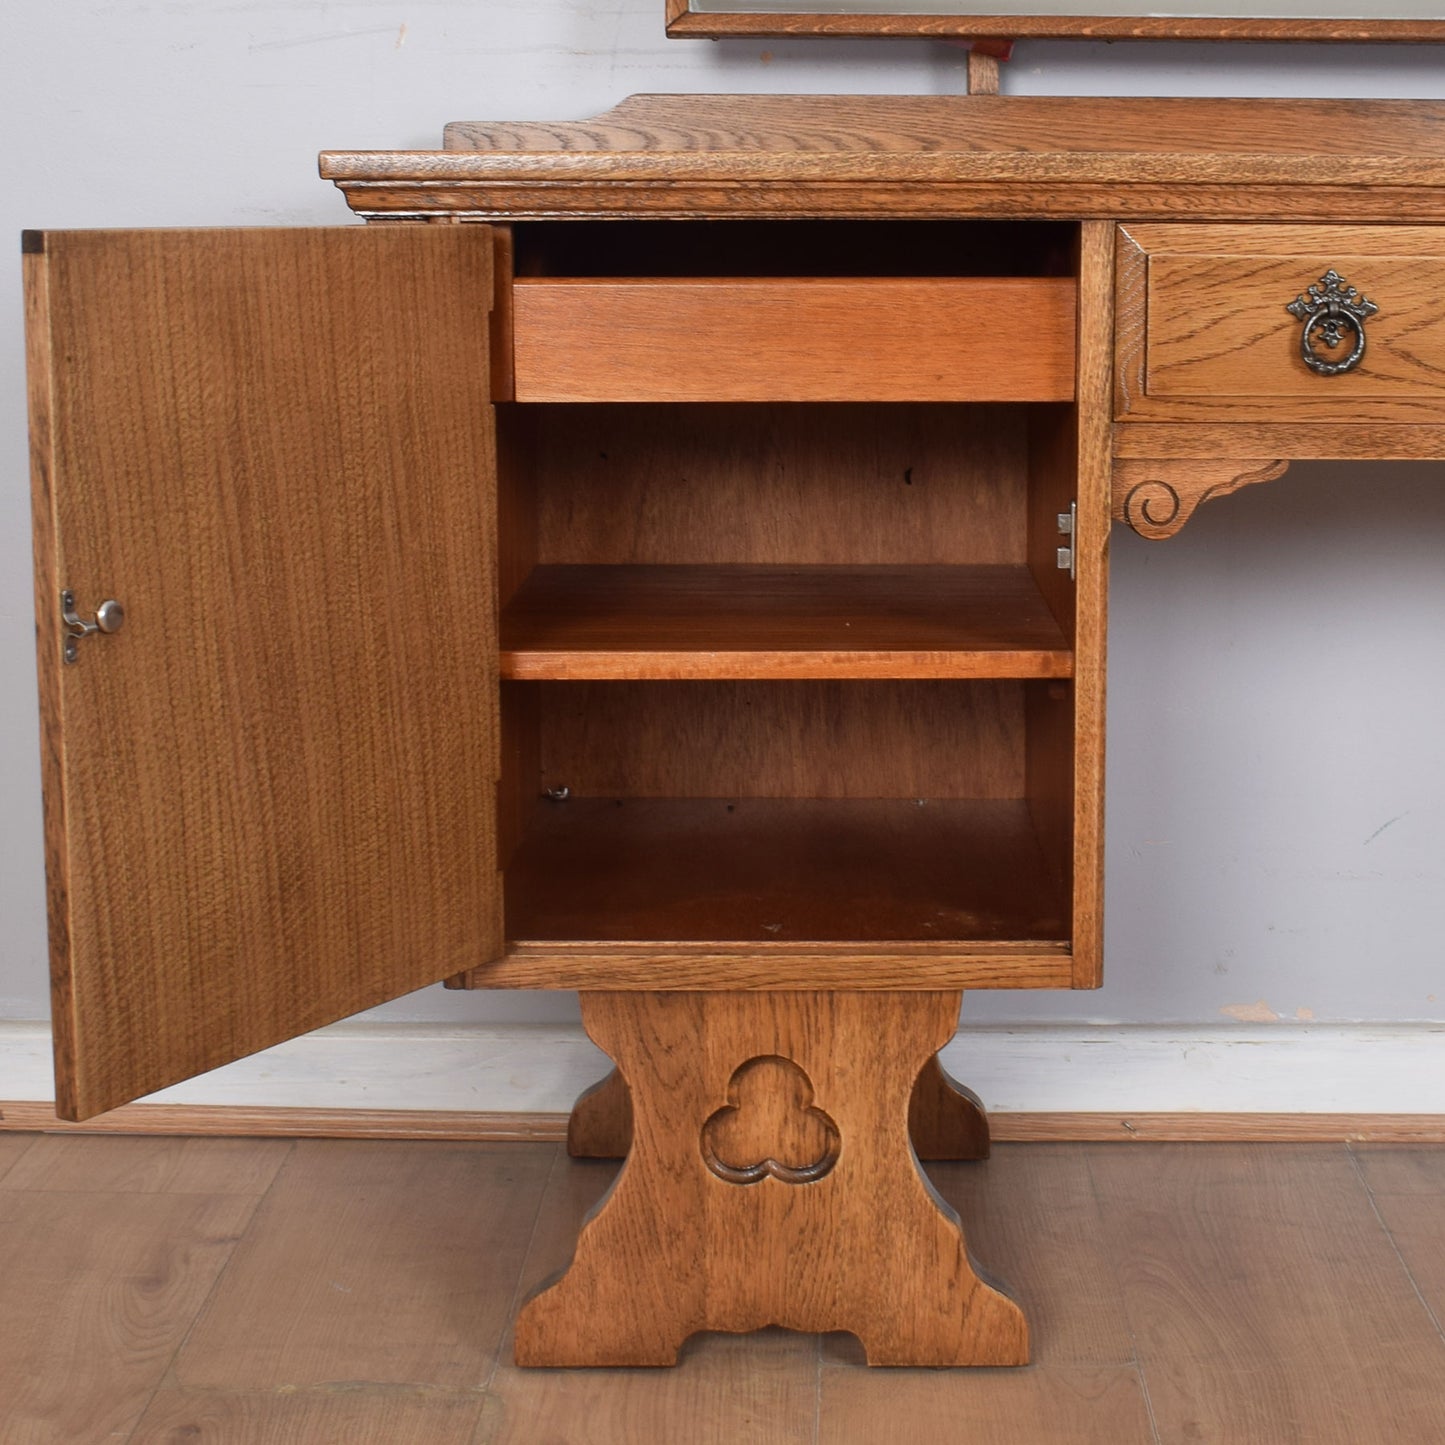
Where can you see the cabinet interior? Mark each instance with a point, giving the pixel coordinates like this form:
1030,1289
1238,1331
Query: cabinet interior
786,672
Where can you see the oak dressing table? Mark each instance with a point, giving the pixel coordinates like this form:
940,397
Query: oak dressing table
666,556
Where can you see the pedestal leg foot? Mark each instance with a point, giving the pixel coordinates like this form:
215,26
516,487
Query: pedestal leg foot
600,1125
771,1182
946,1120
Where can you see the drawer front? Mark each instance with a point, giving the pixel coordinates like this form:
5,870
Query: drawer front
1214,323
760,339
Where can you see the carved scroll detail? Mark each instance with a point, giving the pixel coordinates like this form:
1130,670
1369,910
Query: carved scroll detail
1156,498
770,1128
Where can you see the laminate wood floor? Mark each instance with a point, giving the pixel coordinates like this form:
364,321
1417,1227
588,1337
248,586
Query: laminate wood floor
309,1292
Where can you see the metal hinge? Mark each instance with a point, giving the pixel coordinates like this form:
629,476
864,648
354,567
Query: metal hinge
109,617
1068,556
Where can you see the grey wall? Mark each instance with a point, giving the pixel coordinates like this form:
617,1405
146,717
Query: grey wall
1276,830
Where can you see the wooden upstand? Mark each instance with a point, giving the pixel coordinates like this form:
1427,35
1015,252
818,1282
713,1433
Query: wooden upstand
683,582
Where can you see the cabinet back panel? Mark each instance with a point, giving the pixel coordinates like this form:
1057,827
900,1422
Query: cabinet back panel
782,739
795,248
711,483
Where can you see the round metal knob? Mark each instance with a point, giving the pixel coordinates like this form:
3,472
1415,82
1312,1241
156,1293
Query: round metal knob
110,615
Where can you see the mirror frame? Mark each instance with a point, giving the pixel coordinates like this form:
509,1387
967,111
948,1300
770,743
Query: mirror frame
684,22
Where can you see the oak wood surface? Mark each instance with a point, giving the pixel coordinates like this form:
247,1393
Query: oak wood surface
270,799
1396,1169
341,1415
591,339
1263,1295
1084,1406
393,1263
1030,1212
1407,1187
1036,1208
1092,466
756,1389
782,870
97,1292
945,1120
725,965
954,156
115,1165
1220,342
1381,441
1157,497
600,1124
679,1245
717,24
12,1147
145,1120
795,484
803,739
594,622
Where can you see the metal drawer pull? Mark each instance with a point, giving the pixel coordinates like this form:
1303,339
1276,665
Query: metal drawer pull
1330,308
109,617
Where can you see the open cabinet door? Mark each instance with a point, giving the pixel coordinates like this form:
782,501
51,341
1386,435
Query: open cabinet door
270,796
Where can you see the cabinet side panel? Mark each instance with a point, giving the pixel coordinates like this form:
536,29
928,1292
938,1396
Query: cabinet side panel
1091,543
277,785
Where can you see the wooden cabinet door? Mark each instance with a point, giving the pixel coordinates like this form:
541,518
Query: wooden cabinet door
270,796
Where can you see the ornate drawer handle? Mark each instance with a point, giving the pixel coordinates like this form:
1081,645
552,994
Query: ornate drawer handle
1329,309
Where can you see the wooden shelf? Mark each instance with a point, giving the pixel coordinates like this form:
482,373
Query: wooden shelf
576,623
783,871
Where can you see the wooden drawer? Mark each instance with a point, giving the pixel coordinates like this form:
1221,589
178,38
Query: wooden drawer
1205,333
759,339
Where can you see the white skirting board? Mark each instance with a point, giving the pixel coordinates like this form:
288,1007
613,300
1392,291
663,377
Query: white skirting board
1125,1068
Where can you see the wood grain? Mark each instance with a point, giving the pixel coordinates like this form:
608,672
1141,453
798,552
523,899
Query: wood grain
945,1120
1091,546
1078,1406
759,1389
274,448
675,1247
600,1124
1410,191
1031,1211
394,1264
236,1120
715,24
1392,1169
148,1166
1407,1186
1156,497
586,623
783,870
1349,440
805,739
1220,343
944,128
12,1149
1264,1298
947,156
590,339
317,1417
99,1291
520,1127
729,966
776,485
